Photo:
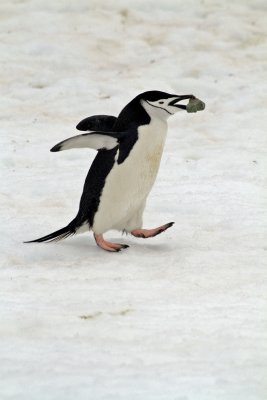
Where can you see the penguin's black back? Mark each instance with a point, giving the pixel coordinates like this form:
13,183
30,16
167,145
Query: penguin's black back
94,184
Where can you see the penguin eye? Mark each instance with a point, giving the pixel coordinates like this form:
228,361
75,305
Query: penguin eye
161,102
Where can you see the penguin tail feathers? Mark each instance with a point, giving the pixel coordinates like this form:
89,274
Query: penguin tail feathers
55,236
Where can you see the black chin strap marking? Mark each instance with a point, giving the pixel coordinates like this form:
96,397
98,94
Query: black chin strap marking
159,107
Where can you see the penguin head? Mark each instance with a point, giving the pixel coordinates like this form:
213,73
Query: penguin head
162,105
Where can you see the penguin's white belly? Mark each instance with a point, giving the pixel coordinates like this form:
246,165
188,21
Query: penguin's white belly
129,183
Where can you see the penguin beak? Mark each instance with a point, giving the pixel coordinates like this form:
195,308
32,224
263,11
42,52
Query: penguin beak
179,98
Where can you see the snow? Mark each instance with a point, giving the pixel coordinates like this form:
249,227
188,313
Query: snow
178,317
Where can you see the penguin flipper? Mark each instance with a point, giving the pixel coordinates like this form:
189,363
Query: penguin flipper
97,123
94,140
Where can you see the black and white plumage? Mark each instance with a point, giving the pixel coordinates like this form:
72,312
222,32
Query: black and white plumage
129,149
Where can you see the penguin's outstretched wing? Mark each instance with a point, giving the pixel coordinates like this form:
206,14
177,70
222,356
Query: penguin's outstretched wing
94,140
101,136
97,123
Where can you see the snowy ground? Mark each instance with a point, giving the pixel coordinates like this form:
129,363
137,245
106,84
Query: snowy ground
184,315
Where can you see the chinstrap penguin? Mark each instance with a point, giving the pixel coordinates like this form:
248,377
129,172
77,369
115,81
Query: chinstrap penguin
129,149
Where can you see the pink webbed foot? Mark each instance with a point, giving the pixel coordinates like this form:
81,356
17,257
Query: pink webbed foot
108,246
147,233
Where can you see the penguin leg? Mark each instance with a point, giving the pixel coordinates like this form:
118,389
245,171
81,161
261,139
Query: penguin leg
108,246
147,233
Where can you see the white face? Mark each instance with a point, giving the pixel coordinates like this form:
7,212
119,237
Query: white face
162,108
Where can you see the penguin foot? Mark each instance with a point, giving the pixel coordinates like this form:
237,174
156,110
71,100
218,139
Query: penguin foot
148,233
108,246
